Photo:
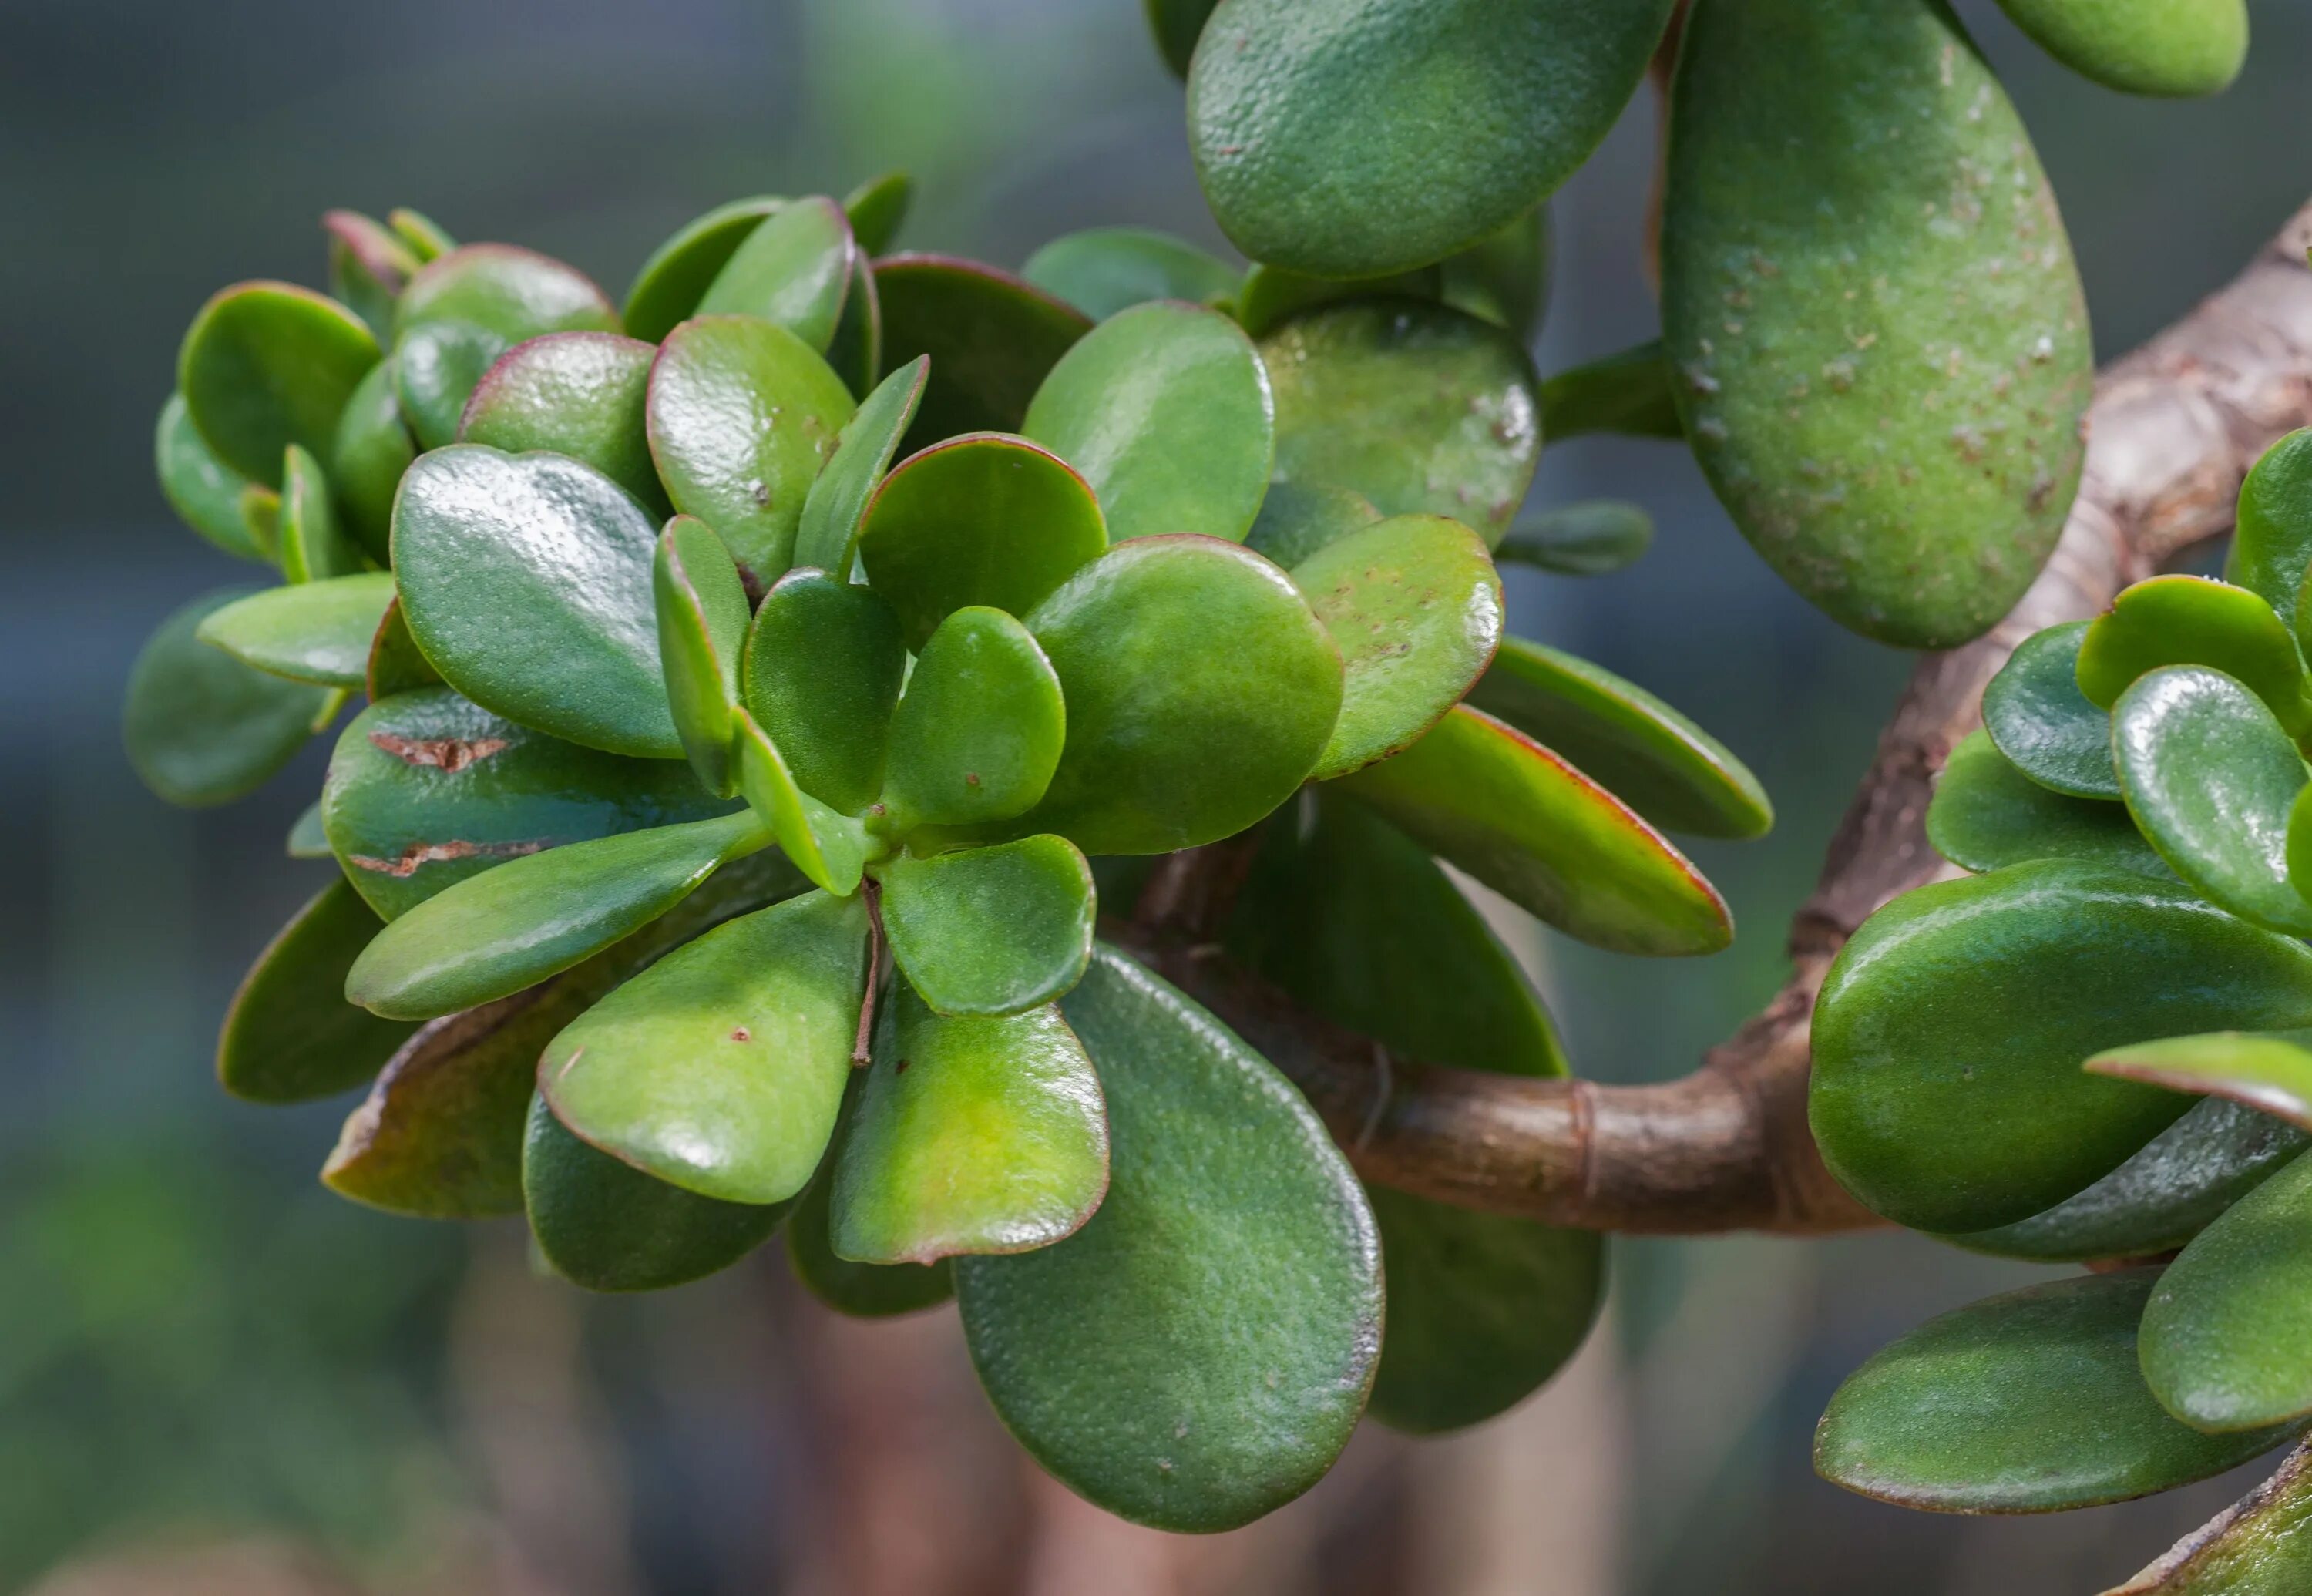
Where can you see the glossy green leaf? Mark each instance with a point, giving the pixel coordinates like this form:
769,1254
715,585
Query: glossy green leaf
1881,350
702,627
426,788
973,1136
2190,620
978,734
2160,1198
1102,270
992,338
860,1291
990,931
1296,521
793,269
467,308
1177,24
307,839
2210,778
371,450
1519,818
823,666
2226,1339
607,1226
1271,296
1415,606
1197,1354
319,632
2255,1547
436,367
202,489
988,518
2169,47
425,237
2027,1402
1165,410
876,207
829,847
720,1068
575,393
2271,540
440,1135
1474,110
1947,1092
1504,276
1628,392
311,547
742,416
536,916
856,351
1986,815
835,509
369,266
527,581
260,519
290,1034
2034,712
267,365
2268,1070
202,727
1200,691
1590,538
675,278
1422,409
395,664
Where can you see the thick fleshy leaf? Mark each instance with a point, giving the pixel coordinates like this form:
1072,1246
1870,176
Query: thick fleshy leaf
607,1226
1504,276
1947,1092
742,416
1628,392
427,239
2254,1547
973,1135
675,278
2268,1070
1197,1354
260,519
855,352
440,1135
835,507
530,917
1272,296
2158,1200
369,267
991,930
1416,605
2192,620
2167,47
267,365
979,731
467,307
1987,815
290,1034
202,489
2210,778
319,632
311,547
702,628
720,1068
2028,1402
876,207
427,788
1102,270
860,1291
2226,1336
829,847
986,519
1177,24
396,664
992,338
824,662
2271,543
527,581
2034,712
1165,410
1646,754
1476,109
1590,538
793,269
1200,691
1881,349
575,393
1519,818
203,728
1296,521
1422,409
371,450
307,839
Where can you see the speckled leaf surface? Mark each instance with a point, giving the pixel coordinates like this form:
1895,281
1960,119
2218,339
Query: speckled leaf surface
317,632
993,930
978,735
824,662
200,726
2167,47
2190,620
2258,1547
1986,815
1176,25
670,284
267,365
992,338
2226,1336
575,393
1102,270
469,306
2035,711
290,1034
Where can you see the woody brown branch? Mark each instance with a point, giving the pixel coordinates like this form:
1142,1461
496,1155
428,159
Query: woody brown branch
2173,429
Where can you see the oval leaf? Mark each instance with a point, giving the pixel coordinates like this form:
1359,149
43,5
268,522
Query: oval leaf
829,847
1102,270
2268,1070
290,1034
1629,392
992,338
319,632
2034,712
876,207
469,306
2169,47
311,547
1295,521
792,269
2225,1337
2190,620
978,733
371,450
2272,542
202,489
675,278
1593,538
203,728
824,663
575,393
836,508
991,930
267,365
701,627
1987,815
860,1291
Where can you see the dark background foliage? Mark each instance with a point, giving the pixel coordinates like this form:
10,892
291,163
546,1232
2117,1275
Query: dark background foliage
199,1349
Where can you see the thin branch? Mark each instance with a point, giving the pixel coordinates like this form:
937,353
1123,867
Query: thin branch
2172,430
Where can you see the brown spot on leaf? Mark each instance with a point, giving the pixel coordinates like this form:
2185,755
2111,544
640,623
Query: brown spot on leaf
452,754
407,862
901,1068
741,1034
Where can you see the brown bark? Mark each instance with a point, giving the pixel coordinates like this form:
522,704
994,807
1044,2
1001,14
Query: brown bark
2173,429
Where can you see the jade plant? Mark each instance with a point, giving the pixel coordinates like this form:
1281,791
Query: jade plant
2097,1046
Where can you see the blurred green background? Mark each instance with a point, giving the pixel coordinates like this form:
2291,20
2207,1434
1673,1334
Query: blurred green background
215,1376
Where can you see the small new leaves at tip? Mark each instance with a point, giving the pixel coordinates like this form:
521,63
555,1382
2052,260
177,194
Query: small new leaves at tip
979,731
828,847
835,507
701,627
824,662
2035,711
991,930
319,632
2192,620
369,266
973,1135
